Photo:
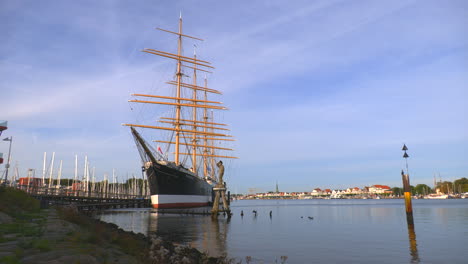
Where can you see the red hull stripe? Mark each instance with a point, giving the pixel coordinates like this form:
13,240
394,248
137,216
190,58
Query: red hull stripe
179,205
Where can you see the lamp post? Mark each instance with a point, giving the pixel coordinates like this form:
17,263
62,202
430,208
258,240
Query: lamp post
7,166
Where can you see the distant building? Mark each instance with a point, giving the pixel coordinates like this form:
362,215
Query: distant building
379,189
30,181
316,192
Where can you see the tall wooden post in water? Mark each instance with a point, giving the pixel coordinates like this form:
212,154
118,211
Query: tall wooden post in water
409,210
407,189
220,193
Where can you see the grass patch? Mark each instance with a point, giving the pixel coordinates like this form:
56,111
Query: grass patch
15,202
42,244
5,239
24,229
19,253
10,260
25,244
101,233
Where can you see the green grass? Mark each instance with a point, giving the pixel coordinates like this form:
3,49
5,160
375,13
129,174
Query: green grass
4,239
23,229
42,244
10,260
15,202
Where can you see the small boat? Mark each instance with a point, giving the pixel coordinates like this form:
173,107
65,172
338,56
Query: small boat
436,196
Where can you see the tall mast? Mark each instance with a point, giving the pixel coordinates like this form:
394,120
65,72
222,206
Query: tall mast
194,136
44,168
51,169
189,128
76,171
59,174
85,174
205,138
212,152
179,81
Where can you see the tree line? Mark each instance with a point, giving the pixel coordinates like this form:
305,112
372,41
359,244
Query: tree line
457,186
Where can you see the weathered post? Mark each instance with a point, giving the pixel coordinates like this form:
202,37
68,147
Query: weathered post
409,210
407,189
220,193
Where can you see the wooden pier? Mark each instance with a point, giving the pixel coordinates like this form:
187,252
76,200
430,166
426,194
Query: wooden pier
86,200
93,203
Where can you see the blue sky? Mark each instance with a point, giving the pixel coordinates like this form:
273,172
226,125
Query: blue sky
321,93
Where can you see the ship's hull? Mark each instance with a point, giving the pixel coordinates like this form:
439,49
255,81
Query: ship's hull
175,187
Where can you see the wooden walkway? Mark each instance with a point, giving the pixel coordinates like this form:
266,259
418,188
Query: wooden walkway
92,203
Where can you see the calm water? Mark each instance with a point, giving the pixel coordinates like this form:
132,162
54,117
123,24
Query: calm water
351,231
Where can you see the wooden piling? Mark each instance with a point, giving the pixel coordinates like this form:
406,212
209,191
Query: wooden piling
407,189
407,193
220,193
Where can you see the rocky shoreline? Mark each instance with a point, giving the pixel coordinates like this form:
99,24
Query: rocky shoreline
64,235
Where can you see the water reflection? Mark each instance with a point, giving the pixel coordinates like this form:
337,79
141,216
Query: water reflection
341,231
413,244
201,232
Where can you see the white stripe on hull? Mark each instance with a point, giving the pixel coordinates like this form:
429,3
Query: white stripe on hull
179,201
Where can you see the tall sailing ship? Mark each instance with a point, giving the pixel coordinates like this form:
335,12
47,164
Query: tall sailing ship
195,138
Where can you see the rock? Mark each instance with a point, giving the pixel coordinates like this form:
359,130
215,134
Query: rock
5,219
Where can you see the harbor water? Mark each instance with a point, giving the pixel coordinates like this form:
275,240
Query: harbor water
316,231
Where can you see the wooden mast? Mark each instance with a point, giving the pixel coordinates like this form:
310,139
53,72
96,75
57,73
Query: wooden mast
212,154
205,140
179,80
196,128
194,136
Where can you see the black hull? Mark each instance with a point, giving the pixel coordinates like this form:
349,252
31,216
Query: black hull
173,188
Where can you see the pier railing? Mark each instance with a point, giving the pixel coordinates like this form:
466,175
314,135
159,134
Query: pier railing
122,193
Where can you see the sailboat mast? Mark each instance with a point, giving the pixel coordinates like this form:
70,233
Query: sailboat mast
194,136
51,169
59,174
44,169
179,125
205,138
179,81
76,172
212,151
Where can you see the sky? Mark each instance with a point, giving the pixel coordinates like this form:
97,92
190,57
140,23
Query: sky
320,93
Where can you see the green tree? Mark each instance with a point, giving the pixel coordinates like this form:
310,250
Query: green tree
422,189
445,187
461,185
397,191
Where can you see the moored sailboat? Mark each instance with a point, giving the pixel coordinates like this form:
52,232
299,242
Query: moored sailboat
183,182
